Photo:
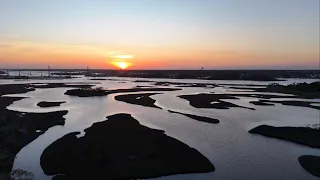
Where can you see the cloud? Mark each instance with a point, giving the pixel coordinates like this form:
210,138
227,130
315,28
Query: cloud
43,48
119,55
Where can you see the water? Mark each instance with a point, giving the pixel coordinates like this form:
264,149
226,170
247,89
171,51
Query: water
235,153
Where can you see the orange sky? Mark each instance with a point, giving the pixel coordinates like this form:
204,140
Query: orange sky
80,56
168,34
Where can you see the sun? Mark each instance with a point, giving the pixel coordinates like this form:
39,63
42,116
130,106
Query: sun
121,64
120,60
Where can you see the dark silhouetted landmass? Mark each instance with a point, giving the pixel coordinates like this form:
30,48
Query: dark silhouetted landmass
310,164
120,148
198,118
301,90
252,75
24,88
90,92
60,85
138,99
311,90
50,104
35,77
15,88
301,135
142,81
142,86
287,103
205,85
98,79
19,129
211,101
87,92
67,73
263,96
260,103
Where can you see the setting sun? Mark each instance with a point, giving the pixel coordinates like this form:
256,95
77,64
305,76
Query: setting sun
121,64
120,60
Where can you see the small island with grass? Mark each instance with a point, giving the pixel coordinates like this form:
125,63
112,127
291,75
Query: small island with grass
50,104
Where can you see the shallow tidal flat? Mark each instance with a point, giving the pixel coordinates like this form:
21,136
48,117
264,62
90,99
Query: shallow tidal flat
184,131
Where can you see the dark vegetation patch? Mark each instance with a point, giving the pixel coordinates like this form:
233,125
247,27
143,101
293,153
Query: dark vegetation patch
287,103
247,89
24,88
116,79
261,103
19,129
49,104
15,89
61,85
121,148
35,78
243,91
67,73
162,83
313,126
310,164
253,85
198,118
262,96
194,85
107,79
20,174
138,99
211,101
142,86
177,84
301,135
301,90
88,92
98,79
252,75
142,81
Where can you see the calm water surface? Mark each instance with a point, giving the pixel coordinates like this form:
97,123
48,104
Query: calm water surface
235,153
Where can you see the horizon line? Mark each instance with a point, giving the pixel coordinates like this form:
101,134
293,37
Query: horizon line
84,69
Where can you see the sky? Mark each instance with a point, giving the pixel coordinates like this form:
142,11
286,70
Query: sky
164,34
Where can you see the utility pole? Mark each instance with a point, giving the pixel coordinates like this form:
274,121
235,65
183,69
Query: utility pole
48,70
87,71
